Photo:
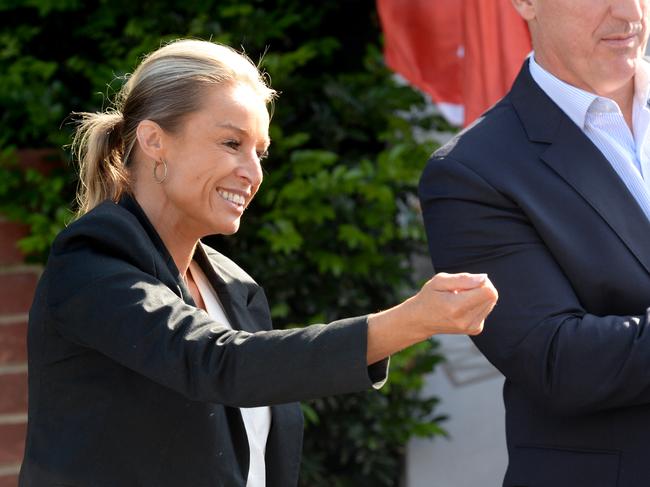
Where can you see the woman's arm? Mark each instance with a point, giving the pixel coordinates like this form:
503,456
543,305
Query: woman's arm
102,293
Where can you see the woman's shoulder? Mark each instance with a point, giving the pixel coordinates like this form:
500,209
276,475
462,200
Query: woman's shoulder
107,234
108,223
108,241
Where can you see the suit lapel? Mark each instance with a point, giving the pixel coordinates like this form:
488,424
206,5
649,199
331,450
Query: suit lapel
578,161
232,293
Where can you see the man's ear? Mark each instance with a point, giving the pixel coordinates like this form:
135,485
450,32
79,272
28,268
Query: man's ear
526,8
150,137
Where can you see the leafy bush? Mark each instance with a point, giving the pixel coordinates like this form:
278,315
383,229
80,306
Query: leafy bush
332,229
36,198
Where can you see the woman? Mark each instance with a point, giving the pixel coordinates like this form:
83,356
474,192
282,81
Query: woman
151,356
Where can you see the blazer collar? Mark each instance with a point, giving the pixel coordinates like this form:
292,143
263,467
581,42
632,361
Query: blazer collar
231,292
129,203
578,161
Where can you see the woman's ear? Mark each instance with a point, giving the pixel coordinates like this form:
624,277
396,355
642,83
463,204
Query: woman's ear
151,137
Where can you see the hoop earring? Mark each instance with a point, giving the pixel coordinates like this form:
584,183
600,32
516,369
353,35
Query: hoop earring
155,171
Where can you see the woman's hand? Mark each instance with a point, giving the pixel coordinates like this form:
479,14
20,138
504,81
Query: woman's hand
453,303
447,303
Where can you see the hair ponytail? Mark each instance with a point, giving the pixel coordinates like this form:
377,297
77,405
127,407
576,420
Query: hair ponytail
99,148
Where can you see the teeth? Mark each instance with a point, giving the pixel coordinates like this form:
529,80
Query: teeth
232,197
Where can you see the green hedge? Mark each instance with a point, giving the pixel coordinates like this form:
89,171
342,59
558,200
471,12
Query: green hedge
335,223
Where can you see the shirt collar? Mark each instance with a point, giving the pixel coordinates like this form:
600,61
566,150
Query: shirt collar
642,83
576,103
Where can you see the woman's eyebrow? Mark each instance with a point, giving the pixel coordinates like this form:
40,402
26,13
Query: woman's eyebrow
229,125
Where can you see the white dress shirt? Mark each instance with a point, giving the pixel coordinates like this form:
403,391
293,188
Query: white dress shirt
257,421
602,121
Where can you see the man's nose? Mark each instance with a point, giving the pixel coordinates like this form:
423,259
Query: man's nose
629,10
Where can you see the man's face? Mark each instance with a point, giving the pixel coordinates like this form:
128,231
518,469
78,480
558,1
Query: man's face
592,44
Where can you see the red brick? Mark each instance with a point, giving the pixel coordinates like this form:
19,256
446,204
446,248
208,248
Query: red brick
13,343
10,233
17,291
13,399
12,442
9,481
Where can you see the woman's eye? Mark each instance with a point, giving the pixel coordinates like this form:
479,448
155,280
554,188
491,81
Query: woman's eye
261,155
233,144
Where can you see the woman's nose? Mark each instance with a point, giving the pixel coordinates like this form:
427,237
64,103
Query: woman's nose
251,170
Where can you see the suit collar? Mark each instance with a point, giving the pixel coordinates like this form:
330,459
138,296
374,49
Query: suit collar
573,101
129,203
578,161
226,288
232,291
537,112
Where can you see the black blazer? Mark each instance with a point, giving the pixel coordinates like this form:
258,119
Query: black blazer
525,196
131,385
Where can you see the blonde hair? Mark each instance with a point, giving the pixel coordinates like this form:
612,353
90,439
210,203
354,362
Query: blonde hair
167,85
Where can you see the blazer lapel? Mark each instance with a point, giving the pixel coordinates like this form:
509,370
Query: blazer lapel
284,443
232,293
580,163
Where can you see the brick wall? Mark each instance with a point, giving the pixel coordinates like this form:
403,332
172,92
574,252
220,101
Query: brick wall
17,283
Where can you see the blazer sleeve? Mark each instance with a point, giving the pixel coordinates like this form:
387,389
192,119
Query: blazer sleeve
106,303
539,336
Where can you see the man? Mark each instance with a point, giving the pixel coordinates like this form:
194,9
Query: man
549,193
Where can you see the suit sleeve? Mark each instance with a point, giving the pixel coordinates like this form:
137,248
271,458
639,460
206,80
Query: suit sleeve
539,336
106,304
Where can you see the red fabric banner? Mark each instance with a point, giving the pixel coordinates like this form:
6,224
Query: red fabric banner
463,53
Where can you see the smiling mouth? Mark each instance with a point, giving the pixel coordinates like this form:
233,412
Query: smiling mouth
235,198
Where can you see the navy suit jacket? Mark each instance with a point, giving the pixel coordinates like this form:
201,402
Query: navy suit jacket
525,196
131,385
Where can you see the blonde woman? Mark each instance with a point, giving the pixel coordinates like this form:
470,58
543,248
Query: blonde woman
152,360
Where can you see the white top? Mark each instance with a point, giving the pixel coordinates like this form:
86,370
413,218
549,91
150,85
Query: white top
602,121
257,421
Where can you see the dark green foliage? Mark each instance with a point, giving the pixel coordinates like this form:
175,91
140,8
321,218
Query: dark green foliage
332,229
37,199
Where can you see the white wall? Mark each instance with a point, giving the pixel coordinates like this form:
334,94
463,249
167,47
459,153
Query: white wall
470,391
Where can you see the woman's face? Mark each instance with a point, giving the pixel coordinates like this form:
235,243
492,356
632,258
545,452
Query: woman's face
214,161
